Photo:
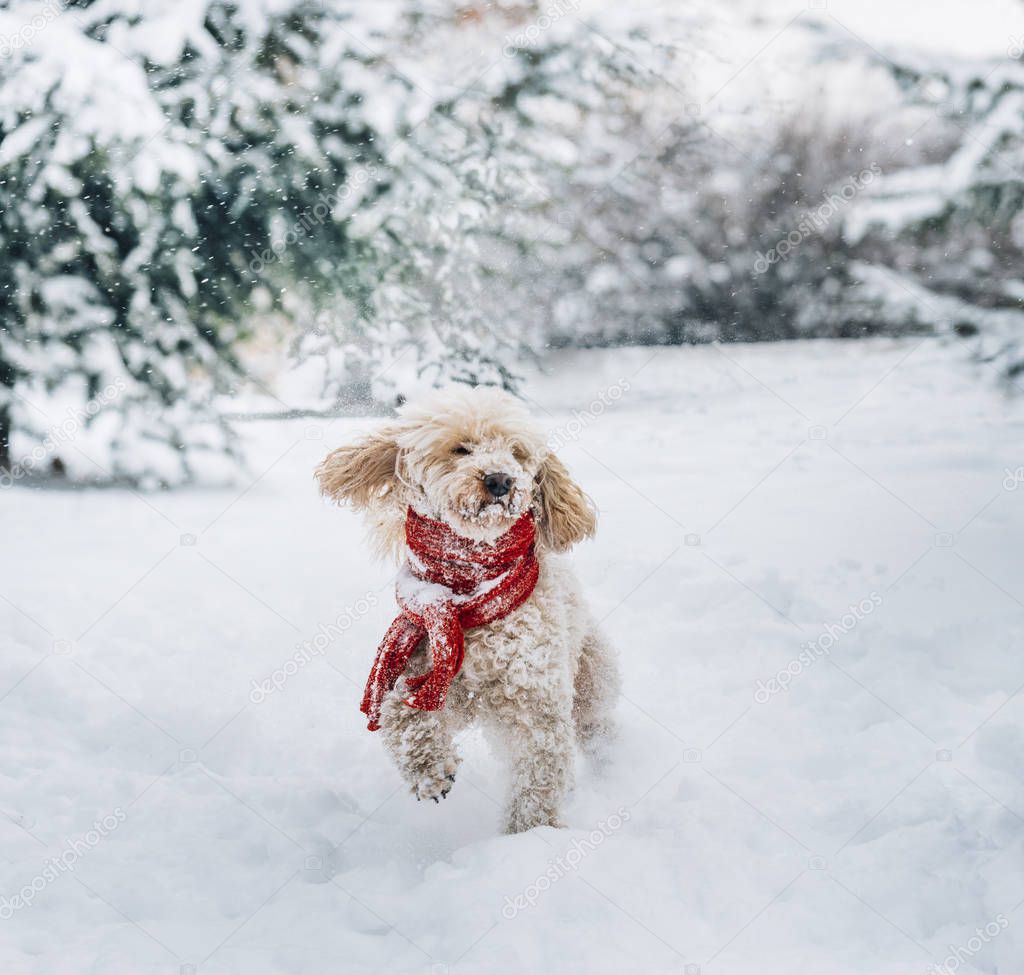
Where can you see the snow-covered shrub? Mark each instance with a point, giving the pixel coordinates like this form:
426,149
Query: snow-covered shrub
944,239
824,225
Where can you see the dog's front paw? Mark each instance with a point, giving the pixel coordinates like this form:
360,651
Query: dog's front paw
436,782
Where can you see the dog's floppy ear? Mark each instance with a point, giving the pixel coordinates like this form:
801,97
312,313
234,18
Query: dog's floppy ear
567,515
362,473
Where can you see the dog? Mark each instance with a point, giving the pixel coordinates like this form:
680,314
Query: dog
467,471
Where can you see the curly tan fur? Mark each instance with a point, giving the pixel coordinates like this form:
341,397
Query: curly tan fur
540,680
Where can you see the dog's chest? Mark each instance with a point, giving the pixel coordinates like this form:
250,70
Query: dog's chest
527,646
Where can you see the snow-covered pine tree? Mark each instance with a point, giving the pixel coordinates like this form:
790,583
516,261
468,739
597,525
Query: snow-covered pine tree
484,228
162,174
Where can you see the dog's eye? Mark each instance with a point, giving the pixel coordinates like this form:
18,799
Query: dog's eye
461,450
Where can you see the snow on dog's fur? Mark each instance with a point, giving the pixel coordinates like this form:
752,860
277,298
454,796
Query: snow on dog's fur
542,678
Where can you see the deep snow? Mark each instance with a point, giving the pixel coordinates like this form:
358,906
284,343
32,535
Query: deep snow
861,821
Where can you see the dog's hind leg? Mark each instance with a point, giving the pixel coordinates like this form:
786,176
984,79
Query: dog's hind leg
421,744
595,693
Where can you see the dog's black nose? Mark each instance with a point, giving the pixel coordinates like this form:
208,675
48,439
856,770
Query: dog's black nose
498,485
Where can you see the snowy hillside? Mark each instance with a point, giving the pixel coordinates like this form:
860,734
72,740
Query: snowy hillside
845,515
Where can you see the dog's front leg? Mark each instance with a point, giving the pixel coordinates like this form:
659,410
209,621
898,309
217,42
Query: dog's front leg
539,736
420,743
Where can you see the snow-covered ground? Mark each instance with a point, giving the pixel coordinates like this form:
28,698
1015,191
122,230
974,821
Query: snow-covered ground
853,496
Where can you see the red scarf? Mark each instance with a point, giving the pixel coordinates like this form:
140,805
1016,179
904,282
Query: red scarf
448,585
